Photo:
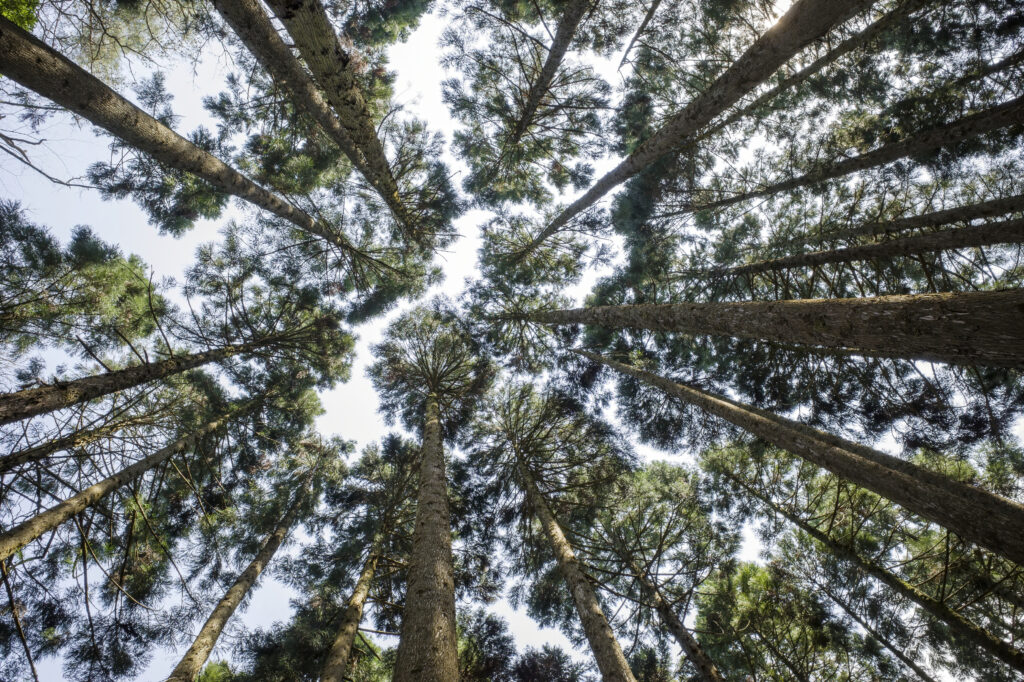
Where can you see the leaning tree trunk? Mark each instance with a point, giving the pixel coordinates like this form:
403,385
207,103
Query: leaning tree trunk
956,622
33,401
336,666
1006,114
967,328
985,209
428,647
1002,232
33,64
192,662
805,21
19,536
974,514
75,439
252,25
610,659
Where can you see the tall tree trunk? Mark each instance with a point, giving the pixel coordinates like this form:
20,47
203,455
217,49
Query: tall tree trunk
984,209
640,30
610,659
33,401
307,23
974,514
428,648
1006,114
191,664
19,536
75,439
804,22
956,622
252,25
35,65
1002,232
968,328
336,665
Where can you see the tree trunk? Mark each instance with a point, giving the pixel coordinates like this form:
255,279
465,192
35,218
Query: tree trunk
19,536
252,25
307,23
1006,114
610,659
33,401
428,649
36,66
963,627
191,664
804,22
985,209
336,666
974,514
966,328
1002,232
75,439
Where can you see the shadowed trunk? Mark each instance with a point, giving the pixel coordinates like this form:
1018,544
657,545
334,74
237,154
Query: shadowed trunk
73,440
805,21
38,67
610,659
27,531
974,514
252,25
192,662
968,328
984,209
336,666
428,649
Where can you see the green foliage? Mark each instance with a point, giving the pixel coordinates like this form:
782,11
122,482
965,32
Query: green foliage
21,12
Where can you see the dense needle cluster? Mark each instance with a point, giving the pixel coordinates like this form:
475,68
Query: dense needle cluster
801,228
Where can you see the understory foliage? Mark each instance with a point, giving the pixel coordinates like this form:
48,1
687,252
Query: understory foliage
734,393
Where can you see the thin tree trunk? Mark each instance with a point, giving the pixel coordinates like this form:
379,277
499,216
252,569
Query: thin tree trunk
956,622
307,23
610,659
33,401
985,209
974,514
16,617
428,648
192,662
252,25
640,30
336,666
804,22
1006,114
1002,232
73,440
38,67
19,536
967,328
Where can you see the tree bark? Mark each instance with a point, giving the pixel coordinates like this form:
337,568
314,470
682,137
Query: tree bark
33,401
610,659
966,328
73,440
191,664
38,67
1006,114
805,21
252,25
19,536
976,515
985,209
428,648
336,666
1002,232
963,627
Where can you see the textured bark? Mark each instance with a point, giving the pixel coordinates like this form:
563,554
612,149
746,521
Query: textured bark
191,664
1002,232
974,514
252,25
35,65
73,440
806,20
984,209
33,401
968,328
314,37
1002,116
428,649
336,665
19,536
957,623
610,659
